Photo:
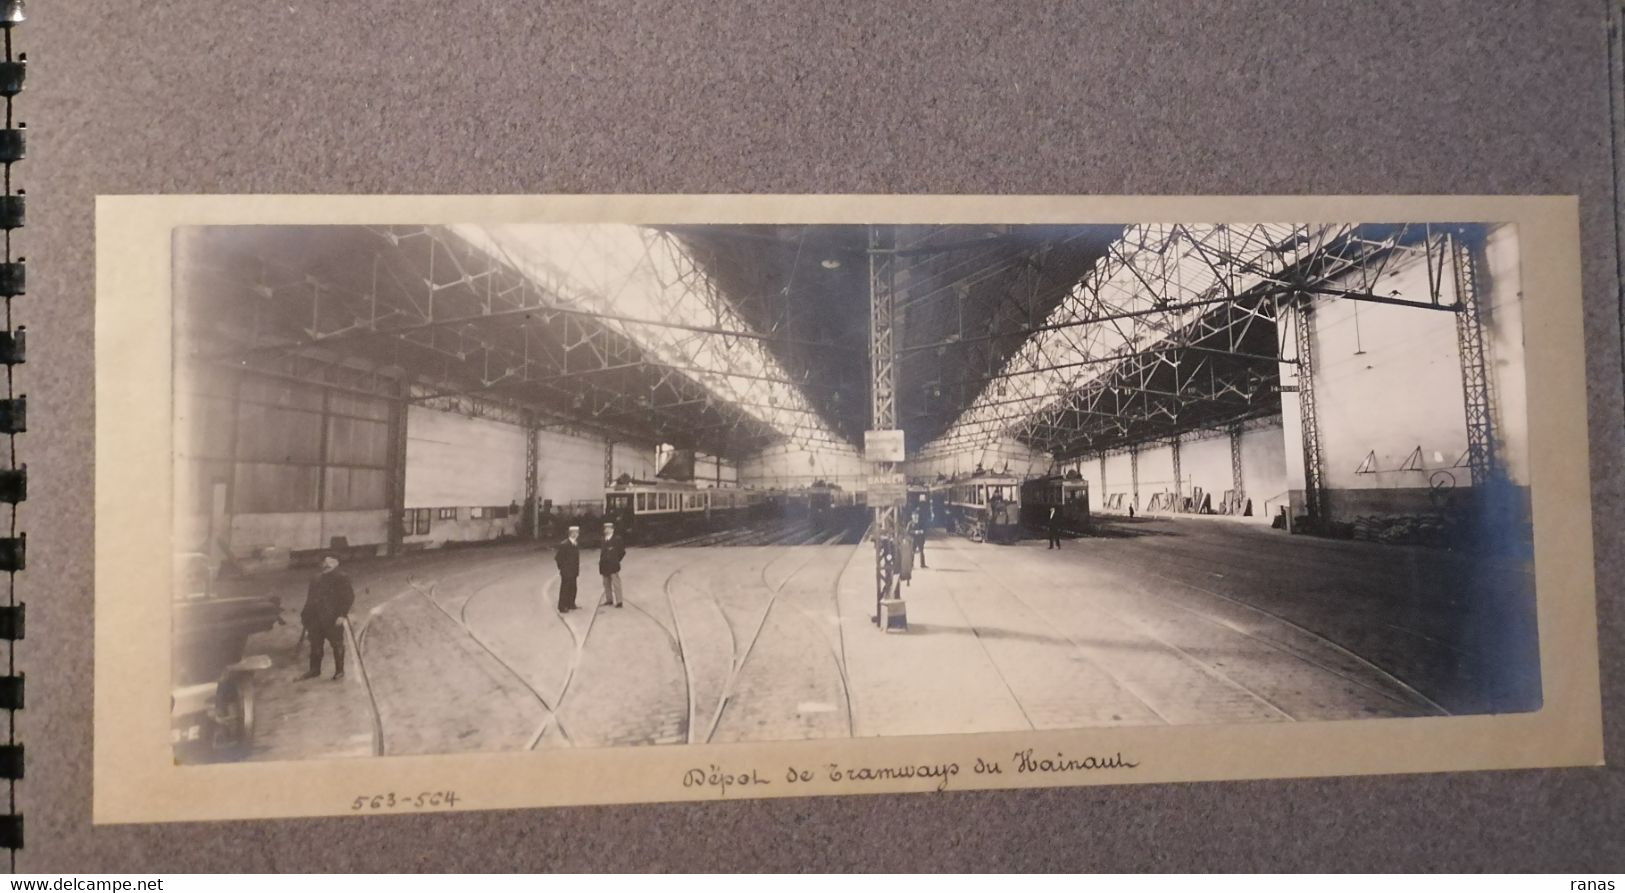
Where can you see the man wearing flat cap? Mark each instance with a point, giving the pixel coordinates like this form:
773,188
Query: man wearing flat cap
326,604
610,556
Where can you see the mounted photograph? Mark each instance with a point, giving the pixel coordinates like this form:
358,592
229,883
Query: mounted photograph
614,485
591,499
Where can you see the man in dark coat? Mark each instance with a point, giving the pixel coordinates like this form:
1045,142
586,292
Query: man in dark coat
610,555
1054,527
326,604
568,558
917,532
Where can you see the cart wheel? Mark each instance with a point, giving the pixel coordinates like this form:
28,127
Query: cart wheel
234,734
245,709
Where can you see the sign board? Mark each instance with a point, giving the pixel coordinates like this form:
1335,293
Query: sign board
886,489
883,446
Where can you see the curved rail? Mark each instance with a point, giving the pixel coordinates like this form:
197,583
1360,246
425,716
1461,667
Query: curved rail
761,623
461,621
1330,643
372,699
579,647
1117,680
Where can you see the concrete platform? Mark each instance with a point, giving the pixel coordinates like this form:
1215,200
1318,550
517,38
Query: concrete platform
1152,622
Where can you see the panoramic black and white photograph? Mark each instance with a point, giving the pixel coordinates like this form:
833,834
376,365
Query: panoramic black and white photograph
516,487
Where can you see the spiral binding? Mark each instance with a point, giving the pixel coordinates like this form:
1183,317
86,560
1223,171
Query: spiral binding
13,421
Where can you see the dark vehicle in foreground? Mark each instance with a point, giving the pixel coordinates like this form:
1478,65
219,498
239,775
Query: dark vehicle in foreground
212,702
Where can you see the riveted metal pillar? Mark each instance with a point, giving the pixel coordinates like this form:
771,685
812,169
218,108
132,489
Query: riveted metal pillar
1134,477
1238,490
1475,380
883,393
533,501
399,414
1179,500
1314,492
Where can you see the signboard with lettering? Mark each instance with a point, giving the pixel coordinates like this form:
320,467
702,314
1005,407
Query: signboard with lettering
886,489
883,446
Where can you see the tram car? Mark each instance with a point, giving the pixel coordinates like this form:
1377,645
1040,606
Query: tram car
650,512
984,506
813,501
849,499
820,498
919,503
938,498
1069,493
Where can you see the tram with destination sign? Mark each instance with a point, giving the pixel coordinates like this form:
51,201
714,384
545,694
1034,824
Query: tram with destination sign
984,506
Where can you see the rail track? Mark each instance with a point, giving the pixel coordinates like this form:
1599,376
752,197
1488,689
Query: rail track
1416,699
743,631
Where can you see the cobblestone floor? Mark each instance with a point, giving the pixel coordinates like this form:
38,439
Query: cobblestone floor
1161,621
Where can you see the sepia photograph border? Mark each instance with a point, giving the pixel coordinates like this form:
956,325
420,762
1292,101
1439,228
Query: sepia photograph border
136,778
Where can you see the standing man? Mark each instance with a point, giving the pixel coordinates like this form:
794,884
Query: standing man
918,530
327,604
1055,527
609,565
568,557
905,553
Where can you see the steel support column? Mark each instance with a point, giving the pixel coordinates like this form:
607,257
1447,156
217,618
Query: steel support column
609,463
1475,380
1134,477
533,501
399,413
883,393
1179,498
1238,490
1303,324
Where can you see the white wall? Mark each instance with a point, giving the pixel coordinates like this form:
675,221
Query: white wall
1089,468
454,460
570,467
1204,461
1118,480
1156,470
788,465
1388,381
635,459
1264,467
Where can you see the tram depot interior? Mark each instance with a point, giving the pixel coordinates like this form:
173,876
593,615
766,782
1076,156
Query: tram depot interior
1286,467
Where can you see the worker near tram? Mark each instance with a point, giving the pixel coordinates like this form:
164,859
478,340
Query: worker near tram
1054,522
568,558
610,555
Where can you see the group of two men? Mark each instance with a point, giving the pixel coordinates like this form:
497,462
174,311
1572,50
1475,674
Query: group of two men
330,597
610,555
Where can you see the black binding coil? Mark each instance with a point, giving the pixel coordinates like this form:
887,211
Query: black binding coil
13,476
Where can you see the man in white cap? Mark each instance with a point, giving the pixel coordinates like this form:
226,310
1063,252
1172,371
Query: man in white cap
568,558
